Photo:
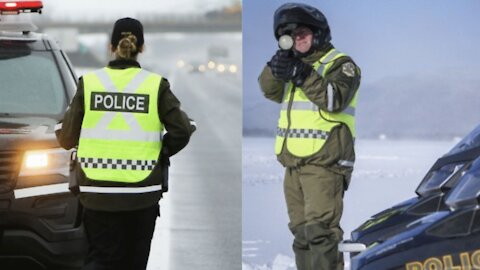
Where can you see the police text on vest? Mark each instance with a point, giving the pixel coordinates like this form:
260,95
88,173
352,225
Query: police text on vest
119,102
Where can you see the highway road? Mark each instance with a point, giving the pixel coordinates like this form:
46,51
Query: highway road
200,223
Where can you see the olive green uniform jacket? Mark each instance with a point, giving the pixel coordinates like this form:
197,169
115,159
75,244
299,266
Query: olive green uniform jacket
340,144
175,121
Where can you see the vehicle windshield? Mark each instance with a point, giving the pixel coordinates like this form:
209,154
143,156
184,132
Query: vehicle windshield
30,83
435,180
466,191
470,141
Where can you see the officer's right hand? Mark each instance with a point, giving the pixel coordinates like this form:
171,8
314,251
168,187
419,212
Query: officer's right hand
281,65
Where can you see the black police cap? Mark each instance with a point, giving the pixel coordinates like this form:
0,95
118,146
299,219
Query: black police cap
125,27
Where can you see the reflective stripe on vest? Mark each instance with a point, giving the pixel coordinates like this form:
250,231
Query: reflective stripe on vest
302,133
306,126
345,163
120,190
120,140
120,164
310,106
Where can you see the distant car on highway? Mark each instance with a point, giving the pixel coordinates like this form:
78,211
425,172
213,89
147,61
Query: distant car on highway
208,66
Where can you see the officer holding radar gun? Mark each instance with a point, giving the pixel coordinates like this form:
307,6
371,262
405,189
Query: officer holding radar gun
317,87
117,119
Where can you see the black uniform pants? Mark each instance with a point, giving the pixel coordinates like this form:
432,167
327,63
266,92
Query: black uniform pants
119,240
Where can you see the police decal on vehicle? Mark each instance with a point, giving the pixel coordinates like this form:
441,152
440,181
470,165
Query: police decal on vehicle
119,102
462,261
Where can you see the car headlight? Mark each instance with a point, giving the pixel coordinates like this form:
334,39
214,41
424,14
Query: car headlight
180,63
36,160
44,162
233,68
211,64
221,68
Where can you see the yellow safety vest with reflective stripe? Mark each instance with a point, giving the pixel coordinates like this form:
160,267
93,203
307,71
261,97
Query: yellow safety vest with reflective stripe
303,127
120,140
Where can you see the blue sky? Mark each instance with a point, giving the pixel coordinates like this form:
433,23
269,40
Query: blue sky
386,38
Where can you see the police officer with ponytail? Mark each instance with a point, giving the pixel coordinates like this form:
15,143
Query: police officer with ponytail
117,119
316,85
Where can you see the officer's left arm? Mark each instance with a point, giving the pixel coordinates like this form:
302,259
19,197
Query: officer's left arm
334,91
177,123
69,132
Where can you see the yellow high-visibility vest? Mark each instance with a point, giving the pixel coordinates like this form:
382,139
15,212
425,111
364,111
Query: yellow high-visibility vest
121,136
302,126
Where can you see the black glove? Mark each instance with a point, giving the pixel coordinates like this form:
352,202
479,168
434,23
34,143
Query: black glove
280,64
286,67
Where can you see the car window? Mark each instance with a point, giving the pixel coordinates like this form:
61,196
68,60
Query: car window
470,141
438,178
476,221
31,83
429,205
457,225
467,190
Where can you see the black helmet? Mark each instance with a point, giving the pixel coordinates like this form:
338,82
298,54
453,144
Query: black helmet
289,16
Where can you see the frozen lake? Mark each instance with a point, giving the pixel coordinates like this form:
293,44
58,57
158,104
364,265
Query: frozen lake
386,172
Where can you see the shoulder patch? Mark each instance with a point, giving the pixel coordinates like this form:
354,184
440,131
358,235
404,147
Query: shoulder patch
348,69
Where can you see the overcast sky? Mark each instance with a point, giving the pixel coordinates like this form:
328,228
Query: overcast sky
114,8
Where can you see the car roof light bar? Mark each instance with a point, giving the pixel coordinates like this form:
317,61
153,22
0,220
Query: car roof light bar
17,7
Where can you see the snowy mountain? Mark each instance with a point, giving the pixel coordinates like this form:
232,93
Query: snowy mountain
438,105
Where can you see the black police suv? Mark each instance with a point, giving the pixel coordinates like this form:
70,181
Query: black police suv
431,194
39,218
447,239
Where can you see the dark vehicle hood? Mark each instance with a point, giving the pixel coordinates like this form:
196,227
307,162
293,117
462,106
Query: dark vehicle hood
21,133
400,242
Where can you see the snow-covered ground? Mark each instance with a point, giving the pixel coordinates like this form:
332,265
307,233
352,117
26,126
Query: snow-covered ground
386,172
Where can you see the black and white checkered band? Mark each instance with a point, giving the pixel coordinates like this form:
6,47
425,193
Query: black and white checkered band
117,164
303,133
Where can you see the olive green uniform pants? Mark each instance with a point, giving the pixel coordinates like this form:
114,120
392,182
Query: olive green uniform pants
314,197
